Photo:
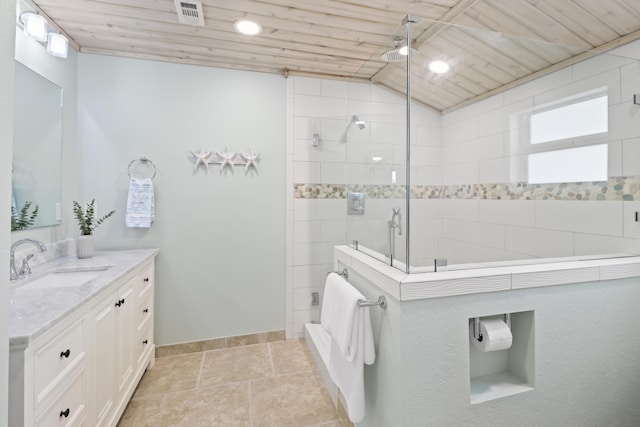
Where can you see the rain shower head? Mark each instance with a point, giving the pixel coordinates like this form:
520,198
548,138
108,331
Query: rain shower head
357,121
398,53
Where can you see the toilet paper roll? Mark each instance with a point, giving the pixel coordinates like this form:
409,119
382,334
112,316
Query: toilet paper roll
496,335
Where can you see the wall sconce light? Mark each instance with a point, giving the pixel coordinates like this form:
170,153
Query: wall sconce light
34,25
37,27
57,45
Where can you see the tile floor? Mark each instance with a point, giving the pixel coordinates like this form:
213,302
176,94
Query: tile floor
274,384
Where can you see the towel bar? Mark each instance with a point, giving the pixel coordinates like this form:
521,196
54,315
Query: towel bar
344,273
381,301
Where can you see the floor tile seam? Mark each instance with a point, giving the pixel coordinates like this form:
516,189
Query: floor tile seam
163,394
288,374
172,356
235,347
309,371
200,370
273,367
199,389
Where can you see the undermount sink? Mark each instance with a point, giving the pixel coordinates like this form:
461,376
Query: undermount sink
66,277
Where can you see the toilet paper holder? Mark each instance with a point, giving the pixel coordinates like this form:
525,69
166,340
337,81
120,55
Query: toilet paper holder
476,326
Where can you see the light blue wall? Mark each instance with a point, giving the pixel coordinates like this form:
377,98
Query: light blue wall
221,236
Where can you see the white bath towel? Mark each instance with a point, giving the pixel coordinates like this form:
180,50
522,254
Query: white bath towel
140,204
352,345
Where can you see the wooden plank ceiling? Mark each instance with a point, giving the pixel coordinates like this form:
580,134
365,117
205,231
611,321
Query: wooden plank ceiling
491,44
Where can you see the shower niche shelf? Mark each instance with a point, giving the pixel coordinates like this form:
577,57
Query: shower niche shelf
498,374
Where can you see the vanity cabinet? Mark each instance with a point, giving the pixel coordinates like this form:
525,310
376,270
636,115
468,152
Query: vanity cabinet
85,368
103,327
125,333
118,363
143,319
51,388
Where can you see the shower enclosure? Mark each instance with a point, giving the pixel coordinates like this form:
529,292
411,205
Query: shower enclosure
536,171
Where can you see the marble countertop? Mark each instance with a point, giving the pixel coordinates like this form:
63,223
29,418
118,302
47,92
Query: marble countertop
34,311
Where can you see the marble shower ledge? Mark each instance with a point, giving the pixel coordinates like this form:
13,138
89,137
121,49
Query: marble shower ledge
35,311
407,287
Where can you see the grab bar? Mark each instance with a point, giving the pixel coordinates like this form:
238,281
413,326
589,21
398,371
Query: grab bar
344,273
381,301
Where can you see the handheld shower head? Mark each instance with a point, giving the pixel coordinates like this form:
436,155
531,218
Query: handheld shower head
396,224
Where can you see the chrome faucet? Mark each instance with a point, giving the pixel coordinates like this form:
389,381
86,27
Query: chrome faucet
26,269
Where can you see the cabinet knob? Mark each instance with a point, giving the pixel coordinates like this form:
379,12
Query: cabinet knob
146,279
145,342
146,310
120,302
65,413
65,354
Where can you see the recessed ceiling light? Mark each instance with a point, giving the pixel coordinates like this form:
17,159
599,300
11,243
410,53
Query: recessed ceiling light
248,28
439,67
376,158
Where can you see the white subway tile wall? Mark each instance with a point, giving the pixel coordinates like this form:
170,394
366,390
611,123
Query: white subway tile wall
481,148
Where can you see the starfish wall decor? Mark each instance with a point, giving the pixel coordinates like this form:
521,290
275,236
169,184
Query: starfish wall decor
225,159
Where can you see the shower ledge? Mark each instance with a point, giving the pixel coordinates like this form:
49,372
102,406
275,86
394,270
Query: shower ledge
407,287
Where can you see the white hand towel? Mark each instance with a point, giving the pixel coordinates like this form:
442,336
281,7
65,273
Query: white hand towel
352,342
140,203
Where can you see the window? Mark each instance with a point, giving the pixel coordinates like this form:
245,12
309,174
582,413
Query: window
552,128
580,164
570,121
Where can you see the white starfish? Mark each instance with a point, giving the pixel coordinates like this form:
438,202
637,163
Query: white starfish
202,158
227,159
251,160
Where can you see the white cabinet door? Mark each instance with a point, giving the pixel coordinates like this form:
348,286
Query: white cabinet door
117,358
125,335
104,330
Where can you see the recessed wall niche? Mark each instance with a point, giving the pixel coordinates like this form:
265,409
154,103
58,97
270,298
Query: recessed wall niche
502,373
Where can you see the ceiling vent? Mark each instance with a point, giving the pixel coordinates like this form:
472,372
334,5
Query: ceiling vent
190,12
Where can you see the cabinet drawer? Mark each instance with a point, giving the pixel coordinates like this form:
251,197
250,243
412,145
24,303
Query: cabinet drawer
143,345
144,313
144,283
58,358
68,409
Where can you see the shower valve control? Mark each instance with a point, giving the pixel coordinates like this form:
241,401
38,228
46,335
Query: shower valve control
355,203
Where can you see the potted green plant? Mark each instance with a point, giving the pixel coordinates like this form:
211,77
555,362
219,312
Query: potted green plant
87,222
23,219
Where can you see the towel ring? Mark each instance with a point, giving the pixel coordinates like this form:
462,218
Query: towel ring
143,160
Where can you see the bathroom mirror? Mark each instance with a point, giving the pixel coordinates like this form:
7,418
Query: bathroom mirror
37,143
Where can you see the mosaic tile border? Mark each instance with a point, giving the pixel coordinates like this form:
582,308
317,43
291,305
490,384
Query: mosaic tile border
623,188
